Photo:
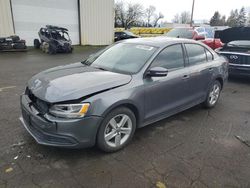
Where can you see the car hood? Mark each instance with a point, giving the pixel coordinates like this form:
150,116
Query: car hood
73,82
235,33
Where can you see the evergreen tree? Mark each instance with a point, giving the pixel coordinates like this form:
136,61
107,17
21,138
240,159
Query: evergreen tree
215,20
232,19
241,21
248,20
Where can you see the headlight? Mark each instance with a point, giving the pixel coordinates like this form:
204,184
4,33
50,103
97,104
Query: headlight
69,110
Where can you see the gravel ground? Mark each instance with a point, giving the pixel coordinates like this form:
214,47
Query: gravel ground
196,148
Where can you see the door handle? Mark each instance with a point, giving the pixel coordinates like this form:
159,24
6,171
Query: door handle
185,77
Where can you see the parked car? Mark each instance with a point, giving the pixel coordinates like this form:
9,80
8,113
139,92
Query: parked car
12,43
121,35
204,34
53,39
237,50
128,85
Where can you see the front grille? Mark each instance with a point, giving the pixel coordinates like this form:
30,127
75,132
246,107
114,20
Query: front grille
237,58
42,106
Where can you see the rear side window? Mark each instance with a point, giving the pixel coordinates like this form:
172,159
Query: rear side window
196,54
170,58
209,55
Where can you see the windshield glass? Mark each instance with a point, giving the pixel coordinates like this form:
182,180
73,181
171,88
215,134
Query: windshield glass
180,33
122,58
128,33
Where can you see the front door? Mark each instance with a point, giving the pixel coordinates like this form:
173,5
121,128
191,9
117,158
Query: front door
165,95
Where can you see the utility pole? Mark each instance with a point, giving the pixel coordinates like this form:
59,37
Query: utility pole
192,14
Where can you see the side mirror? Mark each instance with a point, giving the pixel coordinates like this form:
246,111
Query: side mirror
157,72
199,37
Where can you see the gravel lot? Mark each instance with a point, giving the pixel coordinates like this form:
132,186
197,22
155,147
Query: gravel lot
196,148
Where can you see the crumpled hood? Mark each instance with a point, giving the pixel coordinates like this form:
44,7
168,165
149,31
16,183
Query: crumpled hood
73,81
235,33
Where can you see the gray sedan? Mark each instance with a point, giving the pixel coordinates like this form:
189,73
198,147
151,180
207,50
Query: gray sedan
104,99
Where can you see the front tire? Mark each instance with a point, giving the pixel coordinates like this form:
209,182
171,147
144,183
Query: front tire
116,130
213,95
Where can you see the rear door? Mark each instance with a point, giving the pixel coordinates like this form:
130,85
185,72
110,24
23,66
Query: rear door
201,71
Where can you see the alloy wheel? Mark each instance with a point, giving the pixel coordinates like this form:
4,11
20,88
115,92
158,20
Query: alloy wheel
214,94
118,130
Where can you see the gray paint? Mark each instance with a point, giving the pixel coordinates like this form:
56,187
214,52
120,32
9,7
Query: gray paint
153,98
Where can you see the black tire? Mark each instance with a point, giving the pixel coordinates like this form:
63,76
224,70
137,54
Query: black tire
70,50
52,49
101,142
208,102
37,43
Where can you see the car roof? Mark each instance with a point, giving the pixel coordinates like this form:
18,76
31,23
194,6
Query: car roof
159,42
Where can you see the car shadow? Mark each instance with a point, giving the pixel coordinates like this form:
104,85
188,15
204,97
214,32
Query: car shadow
95,153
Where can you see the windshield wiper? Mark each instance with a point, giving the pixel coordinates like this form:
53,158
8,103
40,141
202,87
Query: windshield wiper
85,62
100,68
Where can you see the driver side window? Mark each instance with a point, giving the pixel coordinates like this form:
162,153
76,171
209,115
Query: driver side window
170,58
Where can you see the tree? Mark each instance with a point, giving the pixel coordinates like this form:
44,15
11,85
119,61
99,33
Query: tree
185,17
232,20
176,18
223,21
157,18
149,13
134,14
217,19
248,20
125,16
242,17
119,14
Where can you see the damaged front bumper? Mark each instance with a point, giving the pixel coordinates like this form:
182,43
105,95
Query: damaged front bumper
59,132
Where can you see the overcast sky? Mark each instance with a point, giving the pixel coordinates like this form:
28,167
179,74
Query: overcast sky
204,9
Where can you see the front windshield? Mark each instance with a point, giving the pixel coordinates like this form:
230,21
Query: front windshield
122,57
180,33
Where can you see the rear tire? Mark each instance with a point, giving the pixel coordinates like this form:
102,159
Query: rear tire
213,95
116,130
37,44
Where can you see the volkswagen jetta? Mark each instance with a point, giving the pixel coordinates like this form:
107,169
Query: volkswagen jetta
128,85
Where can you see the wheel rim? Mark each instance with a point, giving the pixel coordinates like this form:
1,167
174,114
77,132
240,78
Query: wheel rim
214,94
118,130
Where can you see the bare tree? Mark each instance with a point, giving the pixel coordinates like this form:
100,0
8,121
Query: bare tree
134,14
157,18
176,18
185,17
149,13
126,15
119,14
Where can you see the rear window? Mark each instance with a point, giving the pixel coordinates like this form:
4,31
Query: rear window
181,33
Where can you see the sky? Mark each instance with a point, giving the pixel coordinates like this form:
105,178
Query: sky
204,9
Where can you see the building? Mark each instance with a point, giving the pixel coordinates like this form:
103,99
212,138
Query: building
90,22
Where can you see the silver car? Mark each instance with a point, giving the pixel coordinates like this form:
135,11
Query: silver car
104,99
